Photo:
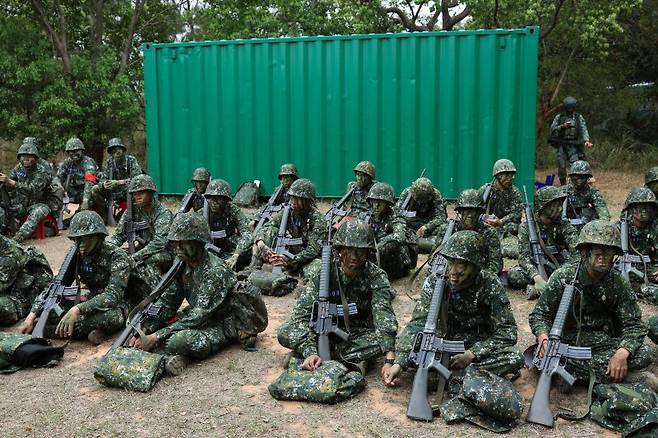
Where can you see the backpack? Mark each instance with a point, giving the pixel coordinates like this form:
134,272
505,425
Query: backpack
248,194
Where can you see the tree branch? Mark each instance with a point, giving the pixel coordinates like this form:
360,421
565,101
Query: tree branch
404,19
130,35
58,42
547,32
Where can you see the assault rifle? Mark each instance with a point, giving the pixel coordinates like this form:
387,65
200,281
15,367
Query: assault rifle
282,242
268,209
66,200
10,210
404,208
537,252
486,196
625,263
147,307
60,289
427,345
555,355
130,227
337,208
324,315
111,202
576,221
219,234
187,202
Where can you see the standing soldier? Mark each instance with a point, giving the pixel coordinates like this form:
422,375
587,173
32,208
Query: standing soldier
118,170
365,178
396,244
24,273
651,180
569,134
557,238
584,202
223,215
353,279
427,210
502,202
78,173
193,198
152,238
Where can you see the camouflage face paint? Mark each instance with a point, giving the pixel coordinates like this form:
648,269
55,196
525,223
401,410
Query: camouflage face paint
200,186
352,260
189,251
362,179
461,273
287,180
28,161
505,179
469,217
599,258
88,244
143,198
379,207
217,204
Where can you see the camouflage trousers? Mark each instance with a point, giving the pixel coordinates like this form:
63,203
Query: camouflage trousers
25,289
646,292
11,310
397,258
109,321
501,362
197,343
567,154
652,323
35,213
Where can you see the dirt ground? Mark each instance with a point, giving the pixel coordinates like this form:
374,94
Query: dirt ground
227,395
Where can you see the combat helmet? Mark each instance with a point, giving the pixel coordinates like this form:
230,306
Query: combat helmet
85,223
503,165
422,189
651,176
580,167
383,191
288,169
640,195
569,102
464,245
366,167
74,144
189,226
141,183
302,188
218,187
354,234
115,142
600,232
469,198
201,174
546,195
29,147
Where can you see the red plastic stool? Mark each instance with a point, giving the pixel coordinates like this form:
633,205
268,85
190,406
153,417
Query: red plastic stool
40,232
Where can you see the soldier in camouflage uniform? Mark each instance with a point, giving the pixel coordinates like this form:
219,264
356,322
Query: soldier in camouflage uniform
396,244
117,172
503,206
557,237
604,314
24,273
651,180
105,271
28,185
287,175
355,279
210,322
429,212
78,173
469,208
200,181
222,214
147,208
476,309
584,202
569,134
365,178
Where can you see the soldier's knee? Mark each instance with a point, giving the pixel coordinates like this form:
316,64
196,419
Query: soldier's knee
188,343
8,312
283,335
517,278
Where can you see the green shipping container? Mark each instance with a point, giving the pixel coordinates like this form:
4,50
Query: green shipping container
448,102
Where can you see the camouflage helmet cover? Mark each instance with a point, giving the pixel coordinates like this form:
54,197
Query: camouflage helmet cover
503,165
640,195
383,191
114,142
29,147
288,169
32,140
201,174
464,245
548,194
366,167
189,226
600,232
469,198
74,144
302,188
580,167
354,234
218,187
141,183
652,175
422,189
569,102
85,223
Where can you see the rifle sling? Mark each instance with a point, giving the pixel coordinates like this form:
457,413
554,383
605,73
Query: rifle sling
550,256
569,414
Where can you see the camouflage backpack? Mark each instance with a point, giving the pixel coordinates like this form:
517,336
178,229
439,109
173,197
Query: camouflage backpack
631,409
248,194
130,368
21,351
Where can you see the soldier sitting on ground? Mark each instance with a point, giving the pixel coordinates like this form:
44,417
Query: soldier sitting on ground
200,180
584,202
428,212
78,173
287,175
364,173
557,238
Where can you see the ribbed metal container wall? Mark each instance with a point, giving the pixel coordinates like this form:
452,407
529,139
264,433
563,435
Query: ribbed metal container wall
448,102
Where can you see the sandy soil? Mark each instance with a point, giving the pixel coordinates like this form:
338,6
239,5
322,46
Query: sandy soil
226,395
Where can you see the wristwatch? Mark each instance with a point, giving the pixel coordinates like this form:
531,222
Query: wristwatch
389,361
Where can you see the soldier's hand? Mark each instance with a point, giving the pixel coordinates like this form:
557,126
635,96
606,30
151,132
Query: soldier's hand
3,178
232,261
312,362
493,221
391,374
135,342
28,325
148,343
65,327
460,361
654,275
279,260
618,365
542,340
589,144
420,232
540,283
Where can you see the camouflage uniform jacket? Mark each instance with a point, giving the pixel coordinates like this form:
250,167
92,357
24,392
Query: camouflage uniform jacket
494,260
505,204
206,289
609,309
643,242
126,170
370,291
198,199
235,223
588,204
559,239
105,273
155,236
83,176
312,228
32,186
392,228
358,202
578,134
430,214
481,316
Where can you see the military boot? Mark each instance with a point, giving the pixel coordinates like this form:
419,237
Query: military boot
175,365
532,293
